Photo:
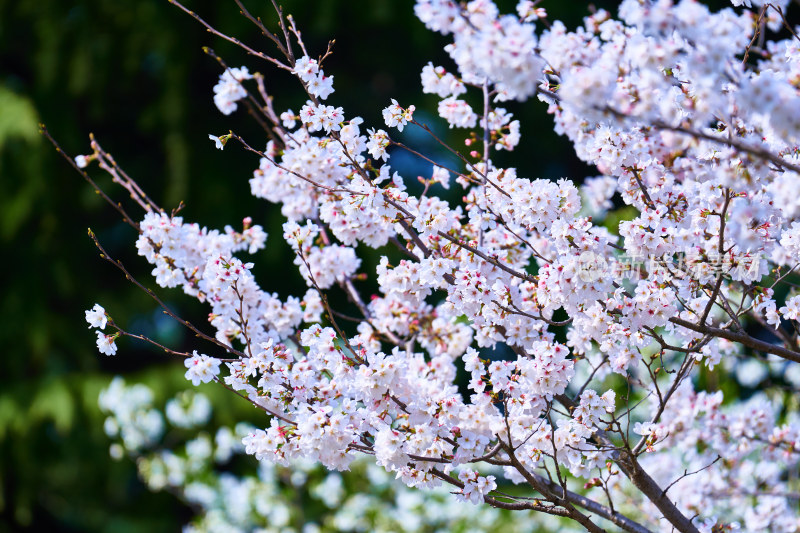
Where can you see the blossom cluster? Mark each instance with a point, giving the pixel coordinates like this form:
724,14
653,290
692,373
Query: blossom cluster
97,318
197,468
230,90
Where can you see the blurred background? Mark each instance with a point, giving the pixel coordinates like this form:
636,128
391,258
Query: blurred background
133,73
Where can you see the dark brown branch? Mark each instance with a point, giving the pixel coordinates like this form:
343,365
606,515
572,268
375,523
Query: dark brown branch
630,466
740,337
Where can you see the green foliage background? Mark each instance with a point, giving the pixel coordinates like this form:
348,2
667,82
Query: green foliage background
132,72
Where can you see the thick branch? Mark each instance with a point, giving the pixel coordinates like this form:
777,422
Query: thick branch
630,466
740,337
590,505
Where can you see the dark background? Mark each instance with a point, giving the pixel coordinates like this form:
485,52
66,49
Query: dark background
133,72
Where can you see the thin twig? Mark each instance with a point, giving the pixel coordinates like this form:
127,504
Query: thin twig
228,38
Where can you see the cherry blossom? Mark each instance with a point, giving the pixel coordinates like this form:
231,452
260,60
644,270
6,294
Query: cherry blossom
219,142
229,89
96,317
201,368
106,344
396,116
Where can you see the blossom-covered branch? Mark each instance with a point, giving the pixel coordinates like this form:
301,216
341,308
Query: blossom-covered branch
594,317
